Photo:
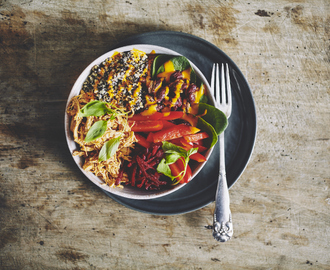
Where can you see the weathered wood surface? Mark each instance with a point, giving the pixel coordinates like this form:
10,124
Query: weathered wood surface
51,217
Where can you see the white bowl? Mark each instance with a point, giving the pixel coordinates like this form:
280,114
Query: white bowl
128,191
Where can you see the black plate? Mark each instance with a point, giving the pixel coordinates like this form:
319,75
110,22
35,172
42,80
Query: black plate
239,136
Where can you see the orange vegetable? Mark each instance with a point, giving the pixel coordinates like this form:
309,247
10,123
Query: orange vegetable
190,118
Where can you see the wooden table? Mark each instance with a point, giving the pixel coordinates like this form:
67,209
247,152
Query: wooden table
52,217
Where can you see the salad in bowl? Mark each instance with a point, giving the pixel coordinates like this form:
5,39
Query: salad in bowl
140,121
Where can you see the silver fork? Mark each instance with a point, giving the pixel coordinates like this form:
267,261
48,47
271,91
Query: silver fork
222,220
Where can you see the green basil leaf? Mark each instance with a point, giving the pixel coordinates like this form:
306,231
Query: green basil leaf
96,131
94,108
171,158
164,169
191,152
172,154
172,148
109,149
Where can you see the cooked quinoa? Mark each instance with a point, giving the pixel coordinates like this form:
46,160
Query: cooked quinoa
118,80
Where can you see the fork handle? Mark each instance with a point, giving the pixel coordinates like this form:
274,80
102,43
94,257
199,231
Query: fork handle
222,220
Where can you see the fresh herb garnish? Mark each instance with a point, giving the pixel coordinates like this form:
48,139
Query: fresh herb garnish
99,108
96,131
165,169
172,154
94,108
180,63
109,149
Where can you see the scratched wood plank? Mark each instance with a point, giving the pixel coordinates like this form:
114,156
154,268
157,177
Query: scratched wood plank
51,217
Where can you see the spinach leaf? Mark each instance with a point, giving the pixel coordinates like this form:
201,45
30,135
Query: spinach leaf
205,126
214,116
96,131
158,62
109,149
180,63
203,99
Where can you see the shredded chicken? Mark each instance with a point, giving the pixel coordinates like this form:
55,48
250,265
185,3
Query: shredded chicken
107,170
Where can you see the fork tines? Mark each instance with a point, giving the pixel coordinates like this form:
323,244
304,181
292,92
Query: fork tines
222,94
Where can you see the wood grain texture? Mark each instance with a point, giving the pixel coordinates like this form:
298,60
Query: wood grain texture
52,217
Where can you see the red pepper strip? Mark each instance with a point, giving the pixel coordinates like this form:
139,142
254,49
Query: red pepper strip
142,141
140,117
177,167
167,124
176,141
145,126
173,133
172,115
198,157
184,142
200,142
196,137
150,137
175,171
187,177
201,148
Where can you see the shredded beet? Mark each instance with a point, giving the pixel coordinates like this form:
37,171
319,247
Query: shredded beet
142,169
119,177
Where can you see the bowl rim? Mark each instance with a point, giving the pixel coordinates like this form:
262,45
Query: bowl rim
137,194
